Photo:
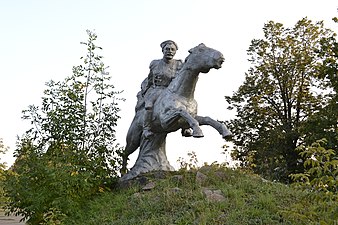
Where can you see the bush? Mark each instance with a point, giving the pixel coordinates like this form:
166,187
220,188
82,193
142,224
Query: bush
3,150
321,169
70,153
320,178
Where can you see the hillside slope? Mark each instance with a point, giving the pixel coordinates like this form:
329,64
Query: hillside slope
211,195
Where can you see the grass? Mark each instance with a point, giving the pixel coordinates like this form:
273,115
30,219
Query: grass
249,199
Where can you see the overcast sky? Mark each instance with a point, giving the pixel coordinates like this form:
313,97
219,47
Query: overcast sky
40,41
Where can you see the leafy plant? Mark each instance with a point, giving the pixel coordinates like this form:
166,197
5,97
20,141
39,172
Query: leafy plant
3,150
70,153
191,164
284,87
321,169
320,178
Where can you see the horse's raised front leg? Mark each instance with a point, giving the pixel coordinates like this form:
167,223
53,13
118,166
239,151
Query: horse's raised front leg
193,123
220,127
170,117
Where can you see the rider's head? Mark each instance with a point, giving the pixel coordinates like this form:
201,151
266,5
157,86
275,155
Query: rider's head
169,49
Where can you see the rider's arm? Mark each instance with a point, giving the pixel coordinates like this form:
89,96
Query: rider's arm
150,79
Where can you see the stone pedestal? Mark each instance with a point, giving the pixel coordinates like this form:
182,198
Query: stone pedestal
152,156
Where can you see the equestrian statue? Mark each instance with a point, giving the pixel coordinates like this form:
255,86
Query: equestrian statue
172,108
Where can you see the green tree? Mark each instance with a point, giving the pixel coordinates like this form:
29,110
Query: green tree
324,123
3,150
281,91
70,153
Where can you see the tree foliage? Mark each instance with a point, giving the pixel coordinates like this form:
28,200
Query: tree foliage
324,123
3,150
284,87
70,153
320,177
321,169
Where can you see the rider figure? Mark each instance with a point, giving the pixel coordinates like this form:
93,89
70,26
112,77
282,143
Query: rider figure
162,71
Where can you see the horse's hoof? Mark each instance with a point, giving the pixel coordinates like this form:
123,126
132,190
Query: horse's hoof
197,134
227,136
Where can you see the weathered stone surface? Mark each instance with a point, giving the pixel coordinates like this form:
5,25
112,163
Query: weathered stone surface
137,195
221,175
149,186
213,195
205,169
174,108
137,181
177,178
176,189
201,178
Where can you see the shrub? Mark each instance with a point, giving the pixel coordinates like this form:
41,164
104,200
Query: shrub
70,153
3,150
321,169
320,178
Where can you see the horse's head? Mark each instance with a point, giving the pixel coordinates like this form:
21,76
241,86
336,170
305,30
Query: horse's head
203,58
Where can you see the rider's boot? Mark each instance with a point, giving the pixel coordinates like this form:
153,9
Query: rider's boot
146,125
186,132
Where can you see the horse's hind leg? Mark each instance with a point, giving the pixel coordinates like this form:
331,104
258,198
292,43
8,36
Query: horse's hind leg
220,127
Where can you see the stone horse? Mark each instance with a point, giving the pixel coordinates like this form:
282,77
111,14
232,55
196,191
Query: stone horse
174,109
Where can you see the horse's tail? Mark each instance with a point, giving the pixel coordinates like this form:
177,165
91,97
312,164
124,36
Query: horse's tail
140,102
133,139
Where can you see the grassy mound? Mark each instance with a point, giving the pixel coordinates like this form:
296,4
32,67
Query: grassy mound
181,198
